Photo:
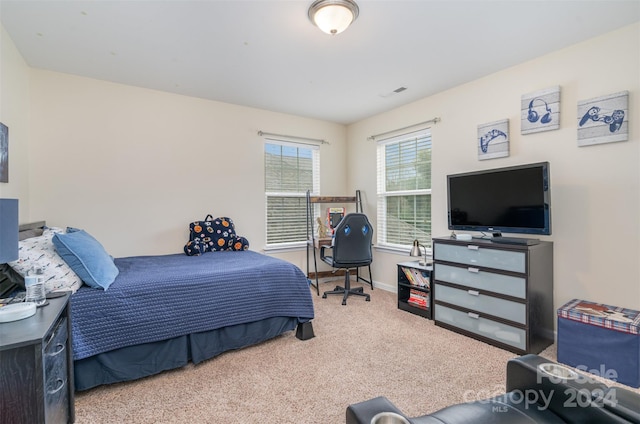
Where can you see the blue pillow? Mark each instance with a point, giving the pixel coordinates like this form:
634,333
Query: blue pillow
87,258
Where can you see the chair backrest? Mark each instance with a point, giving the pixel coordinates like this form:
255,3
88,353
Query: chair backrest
352,244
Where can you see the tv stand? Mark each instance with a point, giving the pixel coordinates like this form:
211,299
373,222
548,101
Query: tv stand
515,240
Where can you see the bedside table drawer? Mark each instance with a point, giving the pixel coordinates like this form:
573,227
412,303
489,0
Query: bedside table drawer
497,331
56,390
482,280
481,256
507,309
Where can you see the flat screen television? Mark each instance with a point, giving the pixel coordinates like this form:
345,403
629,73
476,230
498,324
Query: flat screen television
515,199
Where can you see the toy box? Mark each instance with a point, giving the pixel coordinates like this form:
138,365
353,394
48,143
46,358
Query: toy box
600,339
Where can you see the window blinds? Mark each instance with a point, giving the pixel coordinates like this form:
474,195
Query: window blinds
290,170
404,189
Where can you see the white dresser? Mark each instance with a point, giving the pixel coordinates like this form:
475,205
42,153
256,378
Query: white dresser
501,294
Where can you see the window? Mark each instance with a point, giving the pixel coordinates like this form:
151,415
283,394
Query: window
290,170
404,190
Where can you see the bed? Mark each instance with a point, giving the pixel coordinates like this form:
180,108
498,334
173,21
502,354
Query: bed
161,312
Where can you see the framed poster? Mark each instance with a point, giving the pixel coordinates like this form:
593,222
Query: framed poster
493,140
603,119
4,153
540,111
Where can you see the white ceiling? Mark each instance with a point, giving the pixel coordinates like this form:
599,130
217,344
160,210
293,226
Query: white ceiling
267,54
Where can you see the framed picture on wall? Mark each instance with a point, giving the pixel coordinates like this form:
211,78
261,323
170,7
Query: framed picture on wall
4,153
493,140
603,119
540,111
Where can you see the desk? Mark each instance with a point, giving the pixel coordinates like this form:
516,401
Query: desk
314,243
319,242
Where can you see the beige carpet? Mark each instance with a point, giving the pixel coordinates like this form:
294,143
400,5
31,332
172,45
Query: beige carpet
361,350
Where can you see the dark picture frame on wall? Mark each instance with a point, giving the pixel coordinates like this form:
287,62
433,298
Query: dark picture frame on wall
4,153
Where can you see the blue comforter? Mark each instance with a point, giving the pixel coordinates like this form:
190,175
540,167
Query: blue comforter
159,297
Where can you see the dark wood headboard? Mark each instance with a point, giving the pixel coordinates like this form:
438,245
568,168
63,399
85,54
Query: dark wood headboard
32,225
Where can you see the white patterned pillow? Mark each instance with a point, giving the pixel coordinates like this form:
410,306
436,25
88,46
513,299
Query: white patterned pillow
39,252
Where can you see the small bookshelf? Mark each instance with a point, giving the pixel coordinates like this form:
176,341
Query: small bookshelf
414,288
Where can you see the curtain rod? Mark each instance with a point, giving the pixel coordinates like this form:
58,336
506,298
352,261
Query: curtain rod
293,137
430,121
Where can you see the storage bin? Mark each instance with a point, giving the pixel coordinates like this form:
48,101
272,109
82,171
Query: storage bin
600,339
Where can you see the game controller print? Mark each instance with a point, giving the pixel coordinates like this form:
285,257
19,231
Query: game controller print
614,120
491,135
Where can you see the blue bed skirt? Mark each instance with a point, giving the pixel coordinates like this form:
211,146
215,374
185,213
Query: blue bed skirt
134,362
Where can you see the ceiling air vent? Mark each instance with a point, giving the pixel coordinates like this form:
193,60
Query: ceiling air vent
394,92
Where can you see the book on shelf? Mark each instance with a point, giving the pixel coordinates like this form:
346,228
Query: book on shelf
409,275
416,277
418,299
420,277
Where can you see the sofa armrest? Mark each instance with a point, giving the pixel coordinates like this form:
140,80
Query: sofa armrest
363,412
523,373
580,399
623,403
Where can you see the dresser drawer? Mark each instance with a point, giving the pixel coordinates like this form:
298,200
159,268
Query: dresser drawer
483,280
473,323
475,255
507,309
55,348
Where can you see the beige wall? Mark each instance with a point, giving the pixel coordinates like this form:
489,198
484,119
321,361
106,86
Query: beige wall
134,166
14,113
595,190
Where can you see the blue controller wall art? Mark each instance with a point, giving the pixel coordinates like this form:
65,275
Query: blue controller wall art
493,140
540,111
603,119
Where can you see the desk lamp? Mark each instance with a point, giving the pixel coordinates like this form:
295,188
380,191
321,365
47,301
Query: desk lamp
415,251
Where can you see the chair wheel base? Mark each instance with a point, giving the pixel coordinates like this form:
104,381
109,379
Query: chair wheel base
347,292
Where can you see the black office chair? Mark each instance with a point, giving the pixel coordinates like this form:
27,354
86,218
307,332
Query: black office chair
351,249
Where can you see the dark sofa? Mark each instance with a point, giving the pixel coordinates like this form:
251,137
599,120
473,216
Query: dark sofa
538,391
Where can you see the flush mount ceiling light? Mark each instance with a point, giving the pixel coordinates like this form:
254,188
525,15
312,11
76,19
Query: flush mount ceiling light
333,16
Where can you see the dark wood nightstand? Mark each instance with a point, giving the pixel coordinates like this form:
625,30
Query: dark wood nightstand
36,367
